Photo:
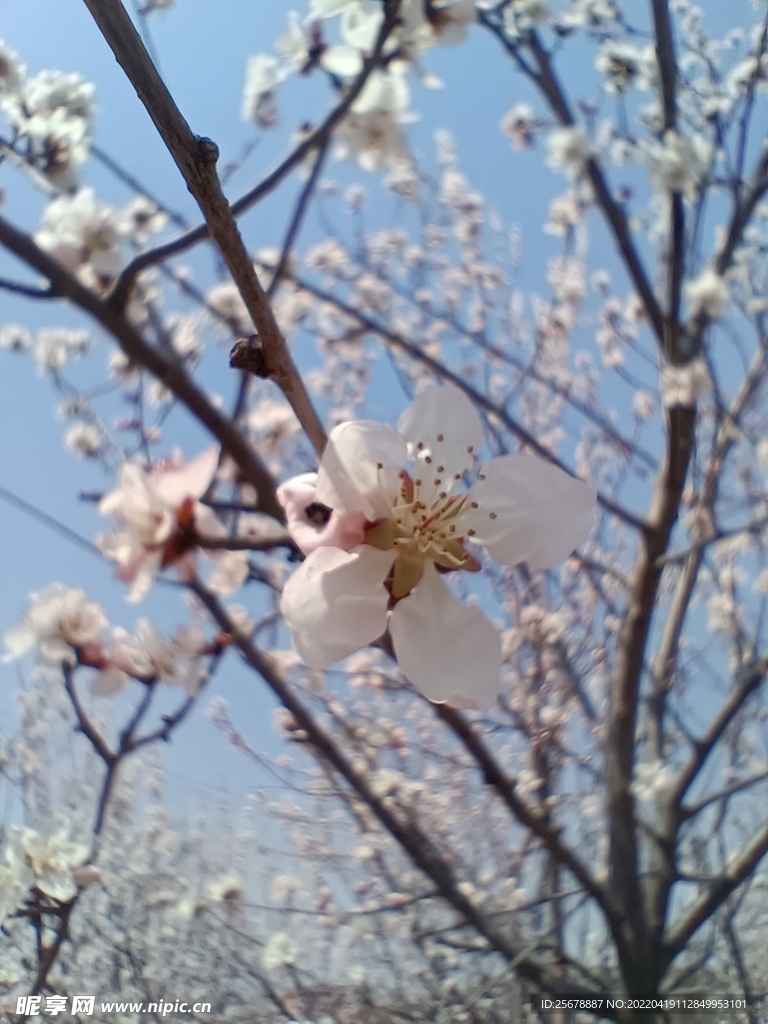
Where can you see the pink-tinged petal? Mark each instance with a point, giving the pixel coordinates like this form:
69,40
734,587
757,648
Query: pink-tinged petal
445,423
540,514
336,602
110,681
450,652
173,485
360,468
343,530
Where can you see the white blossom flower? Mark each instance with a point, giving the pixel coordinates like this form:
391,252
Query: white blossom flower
683,385
303,45
652,780
11,69
55,345
53,113
346,594
45,861
678,163
15,338
279,951
371,131
568,150
57,620
263,75
148,655
82,234
519,124
623,66
140,220
84,439
524,14
159,515
707,293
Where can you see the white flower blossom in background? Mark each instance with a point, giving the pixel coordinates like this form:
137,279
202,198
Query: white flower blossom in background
279,951
140,220
54,346
53,113
302,45
15,338
623,66
44,860
162,523
683,385
679,162
82,234
371,132
652,780
11,69
707,293
84,439
519,124
347,593
58,619
568,150
148,655
520,15
262,77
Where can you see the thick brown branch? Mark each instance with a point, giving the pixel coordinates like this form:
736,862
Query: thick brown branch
625,687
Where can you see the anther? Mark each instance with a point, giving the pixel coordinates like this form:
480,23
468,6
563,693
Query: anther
457,476
440,437
481,476
470,449
420,445
442,494
473,504
492,515
428,460
471,533
379,465
437,481
441,469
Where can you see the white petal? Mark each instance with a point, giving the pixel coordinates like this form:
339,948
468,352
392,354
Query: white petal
448,651
109,682
360,467
172,486
447,413
360,24
59,884
19,640
344,61
336,603
541,513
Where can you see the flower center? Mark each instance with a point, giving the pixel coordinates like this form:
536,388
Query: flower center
426,526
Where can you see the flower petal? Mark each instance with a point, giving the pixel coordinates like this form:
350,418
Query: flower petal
444,413
345,61
336,603
342,530
449,652
360,468
540,514
172,486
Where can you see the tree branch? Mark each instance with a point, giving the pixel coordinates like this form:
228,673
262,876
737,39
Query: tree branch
196,159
